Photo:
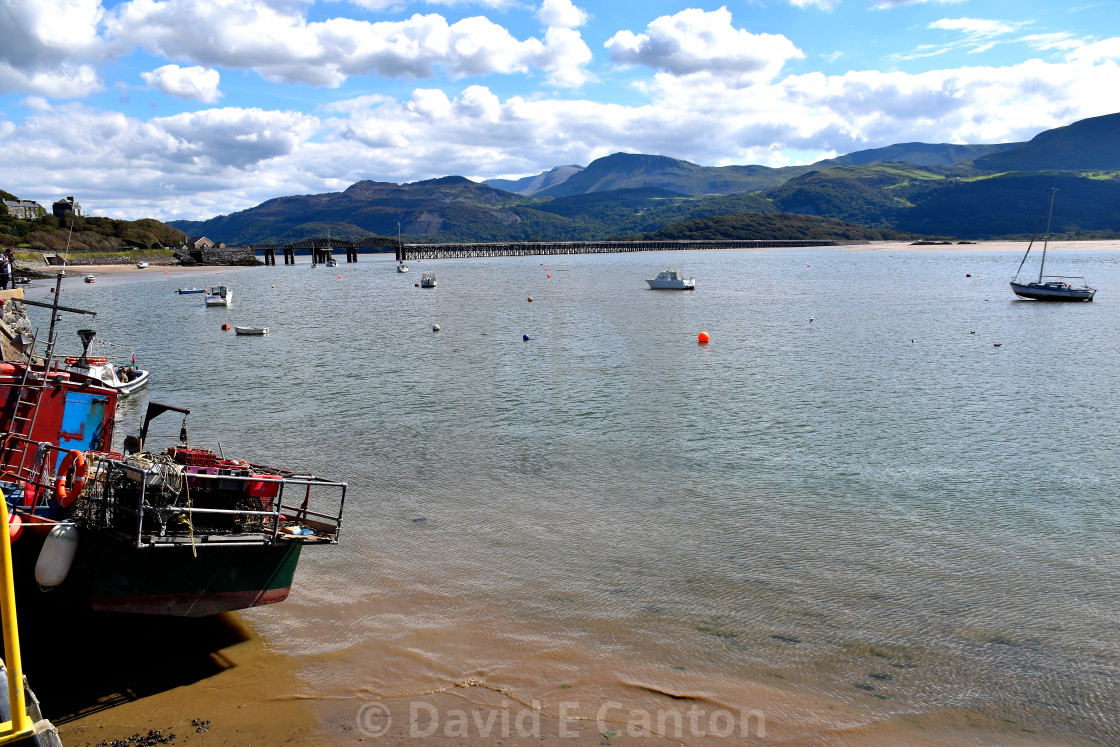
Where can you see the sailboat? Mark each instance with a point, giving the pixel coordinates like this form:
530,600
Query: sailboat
401,266
1049,287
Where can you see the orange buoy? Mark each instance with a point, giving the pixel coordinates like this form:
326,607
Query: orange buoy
702,338
548,276
530,299
225,326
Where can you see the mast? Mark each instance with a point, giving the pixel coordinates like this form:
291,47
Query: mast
1046,238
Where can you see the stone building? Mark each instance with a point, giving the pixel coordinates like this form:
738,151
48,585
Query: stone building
67,203
24,209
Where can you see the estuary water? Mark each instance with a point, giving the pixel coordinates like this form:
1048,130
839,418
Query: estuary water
883,497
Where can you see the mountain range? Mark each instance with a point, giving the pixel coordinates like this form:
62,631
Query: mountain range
961,191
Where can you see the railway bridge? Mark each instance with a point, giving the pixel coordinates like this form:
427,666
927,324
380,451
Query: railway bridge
322,249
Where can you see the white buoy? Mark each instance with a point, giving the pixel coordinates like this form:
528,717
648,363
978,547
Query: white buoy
57,555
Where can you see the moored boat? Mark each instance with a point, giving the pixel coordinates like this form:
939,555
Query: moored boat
89,278
186,291
1049,287
219,295
428,280
141,265
250,330
170,531
671,279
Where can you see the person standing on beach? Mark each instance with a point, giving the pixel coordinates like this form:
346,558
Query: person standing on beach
5,269
10,259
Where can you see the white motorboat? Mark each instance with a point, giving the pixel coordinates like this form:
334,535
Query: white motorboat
90,278
219,295
250,330
428,280
671,279
141,265
332,262
126,379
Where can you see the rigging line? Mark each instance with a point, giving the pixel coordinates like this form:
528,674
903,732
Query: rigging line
1033,236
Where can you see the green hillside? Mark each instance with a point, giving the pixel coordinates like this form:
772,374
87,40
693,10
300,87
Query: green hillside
946,190
51,234
775,226
638,171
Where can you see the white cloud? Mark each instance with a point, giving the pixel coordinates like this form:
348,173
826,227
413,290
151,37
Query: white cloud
1100,51
822,4
190,83
283,47
562,14
51,47
976,27
696,41
888,4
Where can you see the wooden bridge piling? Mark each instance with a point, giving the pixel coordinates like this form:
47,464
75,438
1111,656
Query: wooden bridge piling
321,250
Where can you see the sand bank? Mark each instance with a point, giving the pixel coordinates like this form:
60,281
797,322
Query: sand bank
985,246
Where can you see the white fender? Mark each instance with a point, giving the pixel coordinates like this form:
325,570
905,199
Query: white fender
57,555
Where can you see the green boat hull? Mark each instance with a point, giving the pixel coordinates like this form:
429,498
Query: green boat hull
175,581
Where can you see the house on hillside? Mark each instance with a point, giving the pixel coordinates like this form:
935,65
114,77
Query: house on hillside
61,207
24,209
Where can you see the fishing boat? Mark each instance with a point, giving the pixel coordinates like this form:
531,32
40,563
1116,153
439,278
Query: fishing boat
428,280
141,265
124,380
251,330
219,295
186,291
671,279
1049,287
150,529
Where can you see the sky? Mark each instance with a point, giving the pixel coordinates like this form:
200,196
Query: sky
188,109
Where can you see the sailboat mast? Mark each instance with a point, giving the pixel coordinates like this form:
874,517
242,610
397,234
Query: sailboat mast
1046,238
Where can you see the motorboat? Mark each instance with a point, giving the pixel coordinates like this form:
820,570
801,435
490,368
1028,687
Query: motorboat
428,280
332,262
89,278
250,330
1049,287
185,291
671,279
219,295
141,265
125,379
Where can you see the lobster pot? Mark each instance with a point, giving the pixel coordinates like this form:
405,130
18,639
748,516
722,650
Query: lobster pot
57,555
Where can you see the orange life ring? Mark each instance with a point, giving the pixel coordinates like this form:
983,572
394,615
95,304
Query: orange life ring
77,460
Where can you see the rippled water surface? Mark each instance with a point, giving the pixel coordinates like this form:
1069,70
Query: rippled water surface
885,483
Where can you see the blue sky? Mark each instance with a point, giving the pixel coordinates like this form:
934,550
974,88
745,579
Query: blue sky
194,108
